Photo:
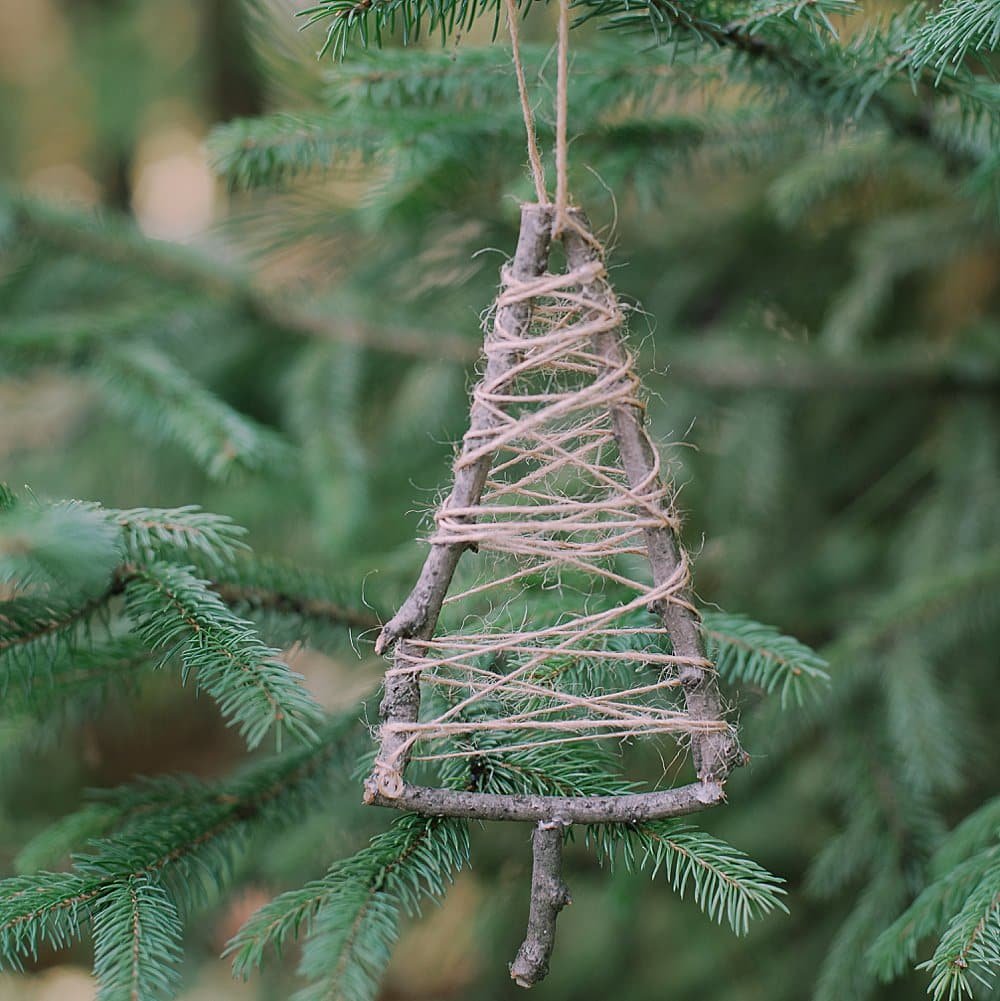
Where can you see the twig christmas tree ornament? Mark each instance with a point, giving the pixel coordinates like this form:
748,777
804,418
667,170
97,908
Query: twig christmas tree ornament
556,485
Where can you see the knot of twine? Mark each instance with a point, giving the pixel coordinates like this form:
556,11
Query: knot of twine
556,507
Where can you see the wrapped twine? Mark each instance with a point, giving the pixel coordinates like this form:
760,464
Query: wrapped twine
556,502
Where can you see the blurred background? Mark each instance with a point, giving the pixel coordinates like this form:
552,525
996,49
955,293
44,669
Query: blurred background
818,332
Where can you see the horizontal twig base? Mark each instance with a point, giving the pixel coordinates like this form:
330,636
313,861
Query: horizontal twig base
631,809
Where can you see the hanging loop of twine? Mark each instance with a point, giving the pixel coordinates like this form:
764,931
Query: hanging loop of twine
534,156
562,112
562,217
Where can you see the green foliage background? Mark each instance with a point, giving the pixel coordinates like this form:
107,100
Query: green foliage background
808,229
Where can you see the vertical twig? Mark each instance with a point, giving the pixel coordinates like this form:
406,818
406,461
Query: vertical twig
713,754
549,895
417,618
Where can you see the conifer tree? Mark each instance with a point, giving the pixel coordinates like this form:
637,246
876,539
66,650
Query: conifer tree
848,487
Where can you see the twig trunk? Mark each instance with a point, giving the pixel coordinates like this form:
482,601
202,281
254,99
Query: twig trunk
549,895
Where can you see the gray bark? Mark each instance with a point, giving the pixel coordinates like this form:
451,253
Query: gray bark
417,618
715,753
549,895
634,808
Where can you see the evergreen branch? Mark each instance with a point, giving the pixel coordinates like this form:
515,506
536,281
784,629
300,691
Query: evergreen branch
350,946
759,655
726,884
970,946
959,866
789,41
895,950
906,244
55,907
146,386
366,21
46,638
272,150
176,613
350,943
47,652
261,586
919,708
66,544
68,533
66,337
841,974
271,793
49,908
115,240
186,532
174,833
51,847
273,925
842,82
848,854
351,914
722,366
414,144
28,622
137,942
953,30
66,678
586,769
604,79
119,244
952,600
259,598
978,830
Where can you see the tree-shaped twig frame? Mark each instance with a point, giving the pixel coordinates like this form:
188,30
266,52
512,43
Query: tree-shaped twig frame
556,484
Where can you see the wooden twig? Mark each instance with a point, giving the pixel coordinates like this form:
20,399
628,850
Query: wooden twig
417,618
713,754
549,895
634,808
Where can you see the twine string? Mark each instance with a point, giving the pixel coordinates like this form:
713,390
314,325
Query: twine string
562,107
562,216
534,156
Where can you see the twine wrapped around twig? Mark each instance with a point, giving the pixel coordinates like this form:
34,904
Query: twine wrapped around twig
557,502
558,484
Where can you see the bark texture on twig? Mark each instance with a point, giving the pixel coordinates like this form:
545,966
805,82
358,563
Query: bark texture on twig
634,808
417,618
549,895
713,754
